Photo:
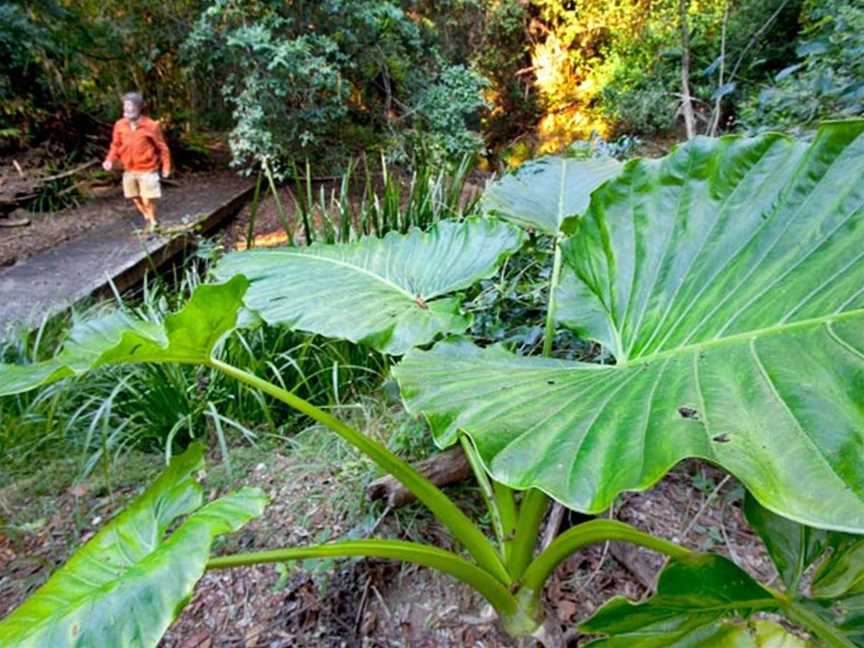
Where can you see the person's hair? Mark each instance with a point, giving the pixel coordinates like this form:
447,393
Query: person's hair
134,97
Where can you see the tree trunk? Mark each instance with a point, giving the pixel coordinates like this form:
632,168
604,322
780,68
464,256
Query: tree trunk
687,102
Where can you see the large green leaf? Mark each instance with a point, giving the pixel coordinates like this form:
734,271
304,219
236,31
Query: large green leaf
846,614
187,336
837,583
543,193
793,547
728,281
842,573
387,293
693,605
128,583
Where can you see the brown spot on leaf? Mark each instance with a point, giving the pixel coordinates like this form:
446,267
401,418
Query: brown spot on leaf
688,413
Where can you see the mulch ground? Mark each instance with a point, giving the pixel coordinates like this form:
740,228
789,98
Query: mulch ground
326,604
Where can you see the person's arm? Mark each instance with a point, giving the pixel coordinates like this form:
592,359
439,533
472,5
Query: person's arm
162,147
114,150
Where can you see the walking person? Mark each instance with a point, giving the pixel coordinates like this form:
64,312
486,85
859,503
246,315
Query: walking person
138,143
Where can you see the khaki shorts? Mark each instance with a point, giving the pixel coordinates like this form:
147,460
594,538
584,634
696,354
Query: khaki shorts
141,183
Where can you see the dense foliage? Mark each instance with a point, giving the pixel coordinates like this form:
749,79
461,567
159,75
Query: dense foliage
702,368
311,77
437,78
826,80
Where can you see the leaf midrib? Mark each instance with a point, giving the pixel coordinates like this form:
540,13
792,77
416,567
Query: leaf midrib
358,269
747,335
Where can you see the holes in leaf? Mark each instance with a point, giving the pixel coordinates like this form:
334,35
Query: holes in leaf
721,438
688,413
550,382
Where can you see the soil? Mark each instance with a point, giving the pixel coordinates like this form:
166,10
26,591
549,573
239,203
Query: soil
269,230
369,603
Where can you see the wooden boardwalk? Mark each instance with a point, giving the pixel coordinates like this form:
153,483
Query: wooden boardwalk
48,283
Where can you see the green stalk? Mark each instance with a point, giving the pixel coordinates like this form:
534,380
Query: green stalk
487,492
280,210
549,335
828,633
253,212
459,524
507,510
585,534
445,561
596,531
535,502
531,513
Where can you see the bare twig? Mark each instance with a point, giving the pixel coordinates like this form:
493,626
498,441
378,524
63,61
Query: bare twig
66,174
732,553
358,619
552,526
715,114
683,535
382,602
756,35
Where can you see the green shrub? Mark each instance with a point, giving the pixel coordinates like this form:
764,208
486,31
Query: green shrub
827,81
300,79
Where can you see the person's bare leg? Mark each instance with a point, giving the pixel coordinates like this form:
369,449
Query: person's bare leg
149,211
139,204
154,212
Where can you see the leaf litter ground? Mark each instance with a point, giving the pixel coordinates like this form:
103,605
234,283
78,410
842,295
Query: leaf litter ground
316,490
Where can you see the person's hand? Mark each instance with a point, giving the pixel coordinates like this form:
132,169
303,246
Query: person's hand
107,165
166,173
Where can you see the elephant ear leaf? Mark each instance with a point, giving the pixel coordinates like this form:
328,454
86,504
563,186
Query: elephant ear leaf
391,293
128,583
188,336
727,280
701,601
793,547
836,588
543,193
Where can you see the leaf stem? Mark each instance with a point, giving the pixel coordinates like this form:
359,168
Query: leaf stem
531,513
589,533
280,210
459,524
509,518
476,577
486,490
549,335
828,633
535,502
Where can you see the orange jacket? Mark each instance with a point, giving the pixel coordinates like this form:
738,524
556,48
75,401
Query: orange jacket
141,149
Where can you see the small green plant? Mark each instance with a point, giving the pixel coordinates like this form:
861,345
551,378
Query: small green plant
670,266
391,201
